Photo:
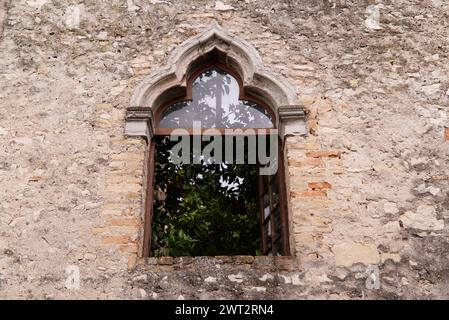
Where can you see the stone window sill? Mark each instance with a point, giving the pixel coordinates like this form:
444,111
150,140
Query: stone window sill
269,263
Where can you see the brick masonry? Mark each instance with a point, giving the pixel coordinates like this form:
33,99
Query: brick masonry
367,186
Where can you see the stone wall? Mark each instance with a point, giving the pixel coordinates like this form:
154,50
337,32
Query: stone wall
368,186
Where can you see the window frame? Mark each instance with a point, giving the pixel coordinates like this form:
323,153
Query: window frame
150,168
283,214
242,96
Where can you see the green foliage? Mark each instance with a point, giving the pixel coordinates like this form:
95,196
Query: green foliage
208,209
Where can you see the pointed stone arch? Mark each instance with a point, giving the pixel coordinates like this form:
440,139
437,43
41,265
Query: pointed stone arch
171,80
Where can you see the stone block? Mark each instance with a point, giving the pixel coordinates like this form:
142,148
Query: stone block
165,261
263,262
243,259
424,218
103,123
225,259
319,185
183,260
347,254
308,194
124,188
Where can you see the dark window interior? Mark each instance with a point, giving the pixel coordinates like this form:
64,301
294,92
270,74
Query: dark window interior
204,209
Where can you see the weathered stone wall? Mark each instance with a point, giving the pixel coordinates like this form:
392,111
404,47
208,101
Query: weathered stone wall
368,186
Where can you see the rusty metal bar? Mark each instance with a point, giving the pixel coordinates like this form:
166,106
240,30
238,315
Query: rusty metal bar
149,199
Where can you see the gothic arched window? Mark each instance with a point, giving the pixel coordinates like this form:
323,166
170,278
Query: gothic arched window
215,86
209,195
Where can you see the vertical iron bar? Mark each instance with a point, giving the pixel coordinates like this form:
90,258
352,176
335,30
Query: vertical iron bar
149,199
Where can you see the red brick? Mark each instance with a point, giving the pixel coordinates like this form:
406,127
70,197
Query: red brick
165,261
225,259
305,163
115,240
446,134
129,248
124,222
324,154
319,185
309,194
243,259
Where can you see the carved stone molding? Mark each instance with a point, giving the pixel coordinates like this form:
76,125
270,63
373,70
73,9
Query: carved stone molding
170,81
292,120
139,122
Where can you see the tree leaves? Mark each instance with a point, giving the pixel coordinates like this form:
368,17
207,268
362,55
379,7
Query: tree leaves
207,210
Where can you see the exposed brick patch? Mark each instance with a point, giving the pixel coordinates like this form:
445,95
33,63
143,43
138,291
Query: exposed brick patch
324,154
446,134
319,185
308,194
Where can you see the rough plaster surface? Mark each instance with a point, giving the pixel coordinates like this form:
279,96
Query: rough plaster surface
371,177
